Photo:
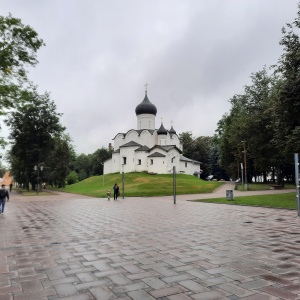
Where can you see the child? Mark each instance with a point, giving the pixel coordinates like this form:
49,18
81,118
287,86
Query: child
108,195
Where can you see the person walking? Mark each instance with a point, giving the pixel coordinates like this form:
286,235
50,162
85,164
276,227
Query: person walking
116,191
3,195
108,195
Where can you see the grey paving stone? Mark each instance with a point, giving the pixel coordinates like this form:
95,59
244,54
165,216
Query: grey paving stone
90,284
177,278
49,283
209,295
66,289
102,293
167,291
130,287
144,248
193,286
235,290
154,282
140,295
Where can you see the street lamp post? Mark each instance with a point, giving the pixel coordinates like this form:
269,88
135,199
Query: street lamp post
296,158
123,181
103,177
174,184
245,163
38,168
242,171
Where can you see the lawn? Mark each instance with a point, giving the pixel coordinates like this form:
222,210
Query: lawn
142,185
288,201
147,185
257,186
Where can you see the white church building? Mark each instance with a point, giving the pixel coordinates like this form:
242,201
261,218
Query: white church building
147,149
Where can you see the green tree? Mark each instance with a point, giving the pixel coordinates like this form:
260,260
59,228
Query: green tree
19,44
187,140
286,107
58,162
97,160
33,129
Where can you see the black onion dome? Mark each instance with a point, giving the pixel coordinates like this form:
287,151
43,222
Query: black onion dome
162,130
172,131
146,107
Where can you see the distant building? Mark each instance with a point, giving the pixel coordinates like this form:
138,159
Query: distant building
7,179
147,149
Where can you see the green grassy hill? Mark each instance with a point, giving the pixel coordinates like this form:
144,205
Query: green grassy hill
142,184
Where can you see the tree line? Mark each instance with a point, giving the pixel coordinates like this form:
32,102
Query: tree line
262,129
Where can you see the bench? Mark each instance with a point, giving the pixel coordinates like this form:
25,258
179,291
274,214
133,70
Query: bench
276,187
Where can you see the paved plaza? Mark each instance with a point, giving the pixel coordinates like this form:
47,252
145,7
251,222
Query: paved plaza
74,247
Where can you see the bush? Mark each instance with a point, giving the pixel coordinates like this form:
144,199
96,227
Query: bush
72,178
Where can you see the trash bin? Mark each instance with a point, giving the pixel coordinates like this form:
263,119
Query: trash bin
229,194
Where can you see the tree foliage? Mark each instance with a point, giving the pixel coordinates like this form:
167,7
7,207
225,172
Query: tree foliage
86,165
266,117
36,137
19,44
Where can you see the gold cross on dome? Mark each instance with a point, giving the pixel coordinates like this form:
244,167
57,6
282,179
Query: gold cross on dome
146,86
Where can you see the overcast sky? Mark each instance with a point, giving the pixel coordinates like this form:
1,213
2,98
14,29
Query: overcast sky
194,55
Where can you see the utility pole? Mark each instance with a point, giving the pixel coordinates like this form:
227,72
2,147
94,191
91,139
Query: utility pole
245,164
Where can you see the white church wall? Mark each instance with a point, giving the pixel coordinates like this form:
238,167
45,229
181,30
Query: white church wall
131,135
189,167
157,165
146,121
115,162
141,161
148,139
174,140
129,154
118,141
162,139
107,168
173,160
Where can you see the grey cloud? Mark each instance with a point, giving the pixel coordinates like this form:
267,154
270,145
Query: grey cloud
194,54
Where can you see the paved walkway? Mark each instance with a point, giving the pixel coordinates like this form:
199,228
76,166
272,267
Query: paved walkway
72,247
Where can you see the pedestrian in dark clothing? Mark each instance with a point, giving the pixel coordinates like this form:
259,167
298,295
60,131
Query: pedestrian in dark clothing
116,191
3,195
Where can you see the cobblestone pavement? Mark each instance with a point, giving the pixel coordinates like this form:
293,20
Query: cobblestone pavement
72,247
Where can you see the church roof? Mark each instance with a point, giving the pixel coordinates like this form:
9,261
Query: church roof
162,130
119,133
146,107
139,131
165,148
183,158
143,148
156,154
172,130
131,144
